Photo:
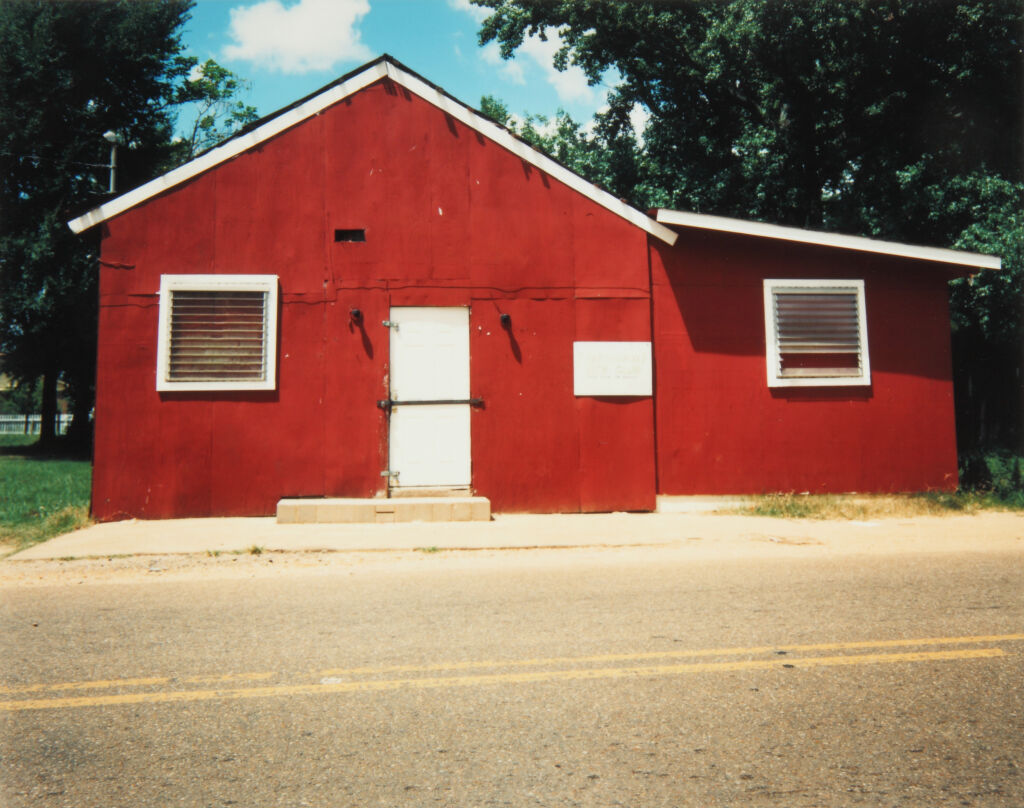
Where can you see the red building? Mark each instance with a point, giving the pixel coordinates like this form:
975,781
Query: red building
377,288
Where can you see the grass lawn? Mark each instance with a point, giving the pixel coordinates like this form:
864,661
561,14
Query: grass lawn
44,495
41,496
877,506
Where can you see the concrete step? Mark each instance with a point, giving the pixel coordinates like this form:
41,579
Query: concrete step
404,509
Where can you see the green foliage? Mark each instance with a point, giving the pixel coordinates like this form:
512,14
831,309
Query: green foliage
23,398
992,212
41,496
996,475
496,110
797,112
604,154
211,92
988,313
69,72
891,119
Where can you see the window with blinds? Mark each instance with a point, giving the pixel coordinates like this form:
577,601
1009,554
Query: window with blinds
816,333
217,332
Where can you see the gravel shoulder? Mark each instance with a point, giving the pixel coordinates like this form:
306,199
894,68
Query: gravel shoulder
224,548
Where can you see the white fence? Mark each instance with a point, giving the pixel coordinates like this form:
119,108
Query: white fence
31,424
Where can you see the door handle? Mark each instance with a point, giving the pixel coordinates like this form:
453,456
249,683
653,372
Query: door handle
389,403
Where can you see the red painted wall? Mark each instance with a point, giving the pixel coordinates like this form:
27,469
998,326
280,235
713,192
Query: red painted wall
722,430
450,219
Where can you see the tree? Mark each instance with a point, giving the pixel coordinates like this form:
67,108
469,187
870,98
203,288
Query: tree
212,90
892,119
988,316
802,112
605,154
69,72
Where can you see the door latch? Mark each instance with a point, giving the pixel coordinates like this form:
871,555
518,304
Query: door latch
387,403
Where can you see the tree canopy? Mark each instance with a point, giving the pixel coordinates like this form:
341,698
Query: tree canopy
892,119
70,72
815,113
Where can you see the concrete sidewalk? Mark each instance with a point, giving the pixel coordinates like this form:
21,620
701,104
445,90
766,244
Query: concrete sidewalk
704,534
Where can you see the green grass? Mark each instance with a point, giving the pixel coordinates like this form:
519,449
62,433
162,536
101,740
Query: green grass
896,506
990,481
41,495
15,441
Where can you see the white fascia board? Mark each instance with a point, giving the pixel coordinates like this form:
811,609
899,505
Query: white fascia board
679,218
218,283
339,92
228,150
524,151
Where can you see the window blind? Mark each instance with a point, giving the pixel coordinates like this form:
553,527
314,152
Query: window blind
217,335
818,333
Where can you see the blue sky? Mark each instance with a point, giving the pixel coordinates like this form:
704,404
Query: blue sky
286,49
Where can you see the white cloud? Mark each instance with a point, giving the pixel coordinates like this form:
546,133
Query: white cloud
306,36
570,84
510,68
478,13
639,115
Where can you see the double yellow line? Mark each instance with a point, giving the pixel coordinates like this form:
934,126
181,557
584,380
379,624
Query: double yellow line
167,689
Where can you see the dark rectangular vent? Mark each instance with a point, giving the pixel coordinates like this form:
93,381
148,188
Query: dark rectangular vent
350,235
217,336
818,332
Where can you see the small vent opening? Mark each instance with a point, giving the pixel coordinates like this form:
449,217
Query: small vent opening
818,334
350,235
217,336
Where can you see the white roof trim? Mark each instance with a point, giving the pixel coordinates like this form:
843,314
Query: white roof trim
504,138
332,95
232,148
679,218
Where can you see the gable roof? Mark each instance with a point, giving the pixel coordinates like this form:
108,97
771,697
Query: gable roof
681,218
381,68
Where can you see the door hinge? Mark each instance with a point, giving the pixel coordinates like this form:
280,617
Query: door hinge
390,324
389,473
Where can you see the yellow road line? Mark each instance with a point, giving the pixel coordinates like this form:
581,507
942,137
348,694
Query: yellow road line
141,682
377,685
103,684
760,649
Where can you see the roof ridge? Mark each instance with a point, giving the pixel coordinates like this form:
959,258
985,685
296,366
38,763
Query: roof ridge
383,67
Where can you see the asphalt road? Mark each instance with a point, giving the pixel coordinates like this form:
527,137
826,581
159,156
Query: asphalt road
548,678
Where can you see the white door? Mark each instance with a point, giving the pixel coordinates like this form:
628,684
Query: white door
429,425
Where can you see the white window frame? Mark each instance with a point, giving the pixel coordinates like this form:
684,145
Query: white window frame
773,285
216,283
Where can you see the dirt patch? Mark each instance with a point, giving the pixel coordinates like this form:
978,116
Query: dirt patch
137,568
792,541
519,542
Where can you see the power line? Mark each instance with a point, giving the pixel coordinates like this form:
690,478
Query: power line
51,160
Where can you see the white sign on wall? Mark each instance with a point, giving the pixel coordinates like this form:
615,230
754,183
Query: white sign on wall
611,368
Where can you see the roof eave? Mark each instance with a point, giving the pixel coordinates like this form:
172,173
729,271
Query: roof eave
680,218
383,67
